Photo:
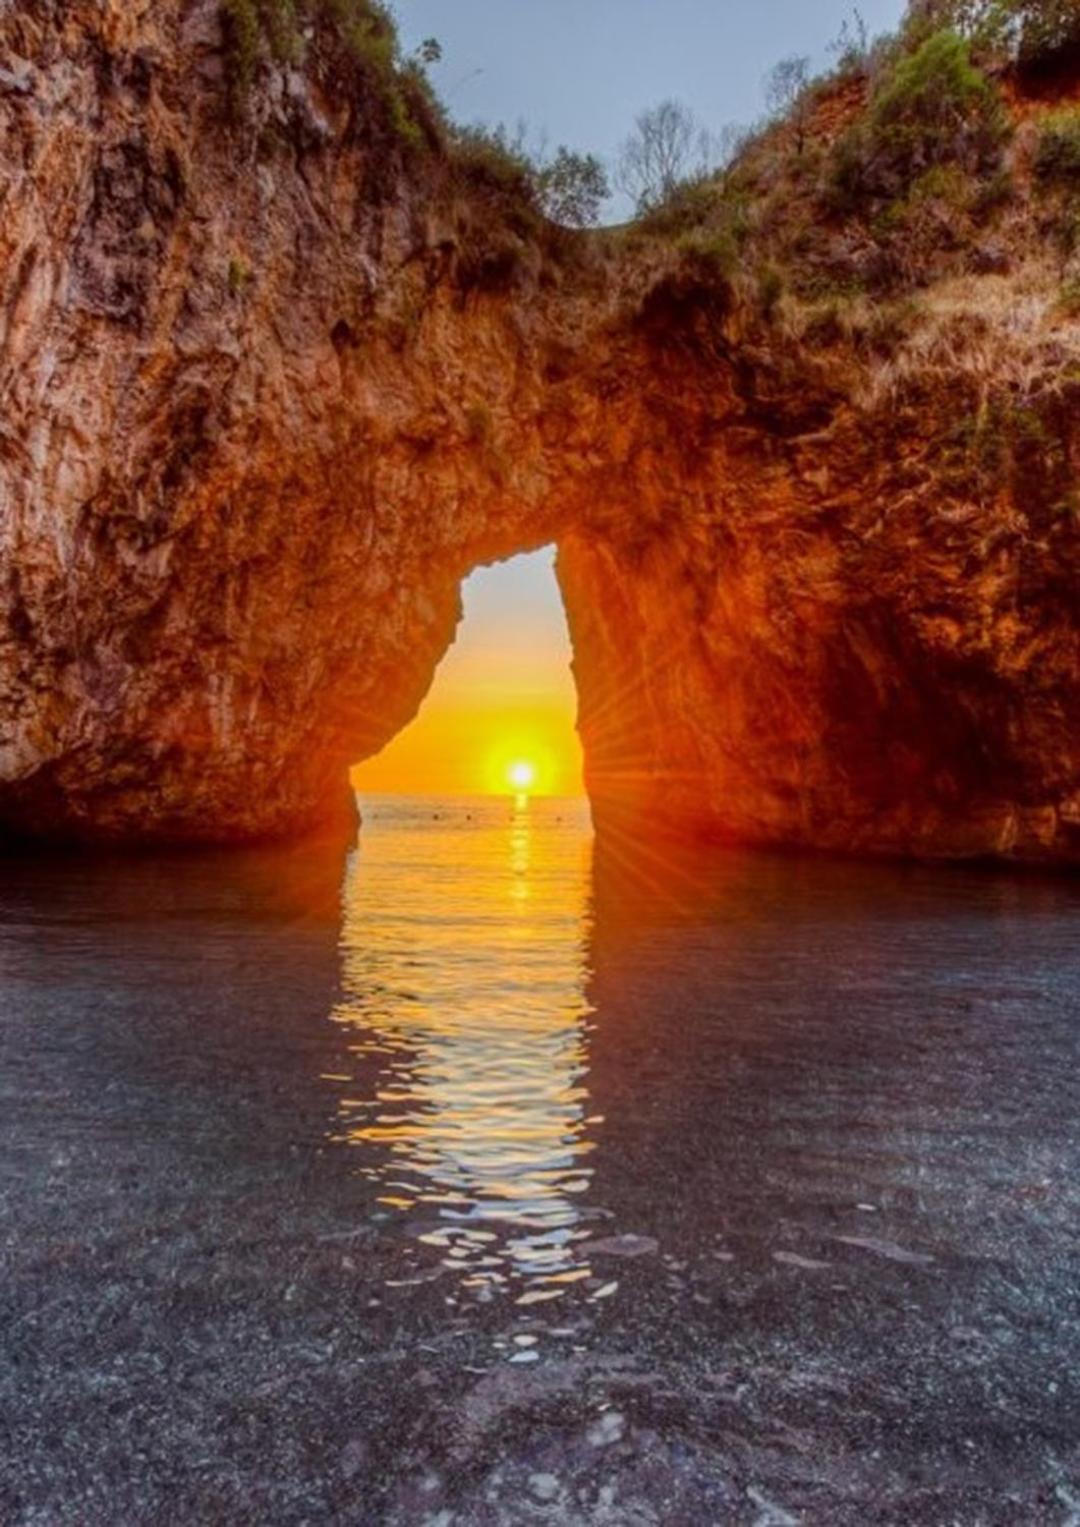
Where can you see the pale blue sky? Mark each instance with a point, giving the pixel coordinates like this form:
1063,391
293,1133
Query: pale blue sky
581,70
578,72
500,631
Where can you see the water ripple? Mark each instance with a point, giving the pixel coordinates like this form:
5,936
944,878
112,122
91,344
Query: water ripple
463,997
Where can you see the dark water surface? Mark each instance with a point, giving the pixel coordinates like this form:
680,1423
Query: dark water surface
492,1177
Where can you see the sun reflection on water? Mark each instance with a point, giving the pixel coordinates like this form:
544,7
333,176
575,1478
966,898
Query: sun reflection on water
463,997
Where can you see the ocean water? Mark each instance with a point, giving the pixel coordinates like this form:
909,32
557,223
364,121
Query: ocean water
489,1173
466,1022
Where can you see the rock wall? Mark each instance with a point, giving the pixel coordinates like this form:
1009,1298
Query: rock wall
272,391
818,643
252,432
804,668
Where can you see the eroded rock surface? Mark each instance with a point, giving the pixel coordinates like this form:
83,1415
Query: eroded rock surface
272,389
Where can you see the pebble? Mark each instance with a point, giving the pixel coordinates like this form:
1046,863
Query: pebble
772,1515
622,1246
792,1259
544,1486
887,1249
525,1357
607,1429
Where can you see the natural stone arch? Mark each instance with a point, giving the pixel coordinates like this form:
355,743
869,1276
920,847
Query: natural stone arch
254,440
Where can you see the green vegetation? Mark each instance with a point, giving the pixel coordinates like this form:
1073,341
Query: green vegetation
1032,33
993,194
364,25
710,254
944,186
569,188
247,23
703,200
369,32
936,105
242,25
770,289
572,188
826,222
364,29
817,227
240,273
935,108
490,156
1046,28
1057,153
1007,440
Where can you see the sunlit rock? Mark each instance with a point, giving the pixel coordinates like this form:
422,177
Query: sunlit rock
273,388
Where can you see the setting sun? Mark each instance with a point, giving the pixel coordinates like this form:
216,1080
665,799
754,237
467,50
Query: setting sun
522,775
499,718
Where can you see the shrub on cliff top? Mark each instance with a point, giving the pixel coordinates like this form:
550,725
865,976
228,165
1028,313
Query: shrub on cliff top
569,188
1032,33
490,156
691,205
364,25
367,32
934,108
712,254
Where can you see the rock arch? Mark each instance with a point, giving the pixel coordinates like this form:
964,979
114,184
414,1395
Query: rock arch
268,399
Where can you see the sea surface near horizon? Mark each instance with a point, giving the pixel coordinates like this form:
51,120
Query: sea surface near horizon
488,1172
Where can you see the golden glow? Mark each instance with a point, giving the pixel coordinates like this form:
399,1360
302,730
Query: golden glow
465,1030
502,702
522,776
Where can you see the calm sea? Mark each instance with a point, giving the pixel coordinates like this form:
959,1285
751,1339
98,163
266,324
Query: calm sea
486,1173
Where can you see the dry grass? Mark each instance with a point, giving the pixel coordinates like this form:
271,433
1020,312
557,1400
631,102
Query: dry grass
996,334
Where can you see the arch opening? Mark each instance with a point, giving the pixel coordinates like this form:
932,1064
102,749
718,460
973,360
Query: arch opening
500,715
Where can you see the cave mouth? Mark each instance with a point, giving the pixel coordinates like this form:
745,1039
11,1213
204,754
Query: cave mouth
500,715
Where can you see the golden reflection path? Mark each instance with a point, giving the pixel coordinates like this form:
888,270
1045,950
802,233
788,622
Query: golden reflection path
464,939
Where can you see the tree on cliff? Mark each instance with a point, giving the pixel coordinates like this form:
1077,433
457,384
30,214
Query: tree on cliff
667,145
787,93
573,188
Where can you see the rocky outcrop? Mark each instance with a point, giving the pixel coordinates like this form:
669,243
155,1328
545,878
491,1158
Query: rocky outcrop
272,389
249,436
828,656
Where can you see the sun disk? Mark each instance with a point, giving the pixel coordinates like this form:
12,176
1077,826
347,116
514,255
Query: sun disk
522,775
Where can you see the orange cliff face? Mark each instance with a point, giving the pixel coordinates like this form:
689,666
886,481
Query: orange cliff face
272,396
